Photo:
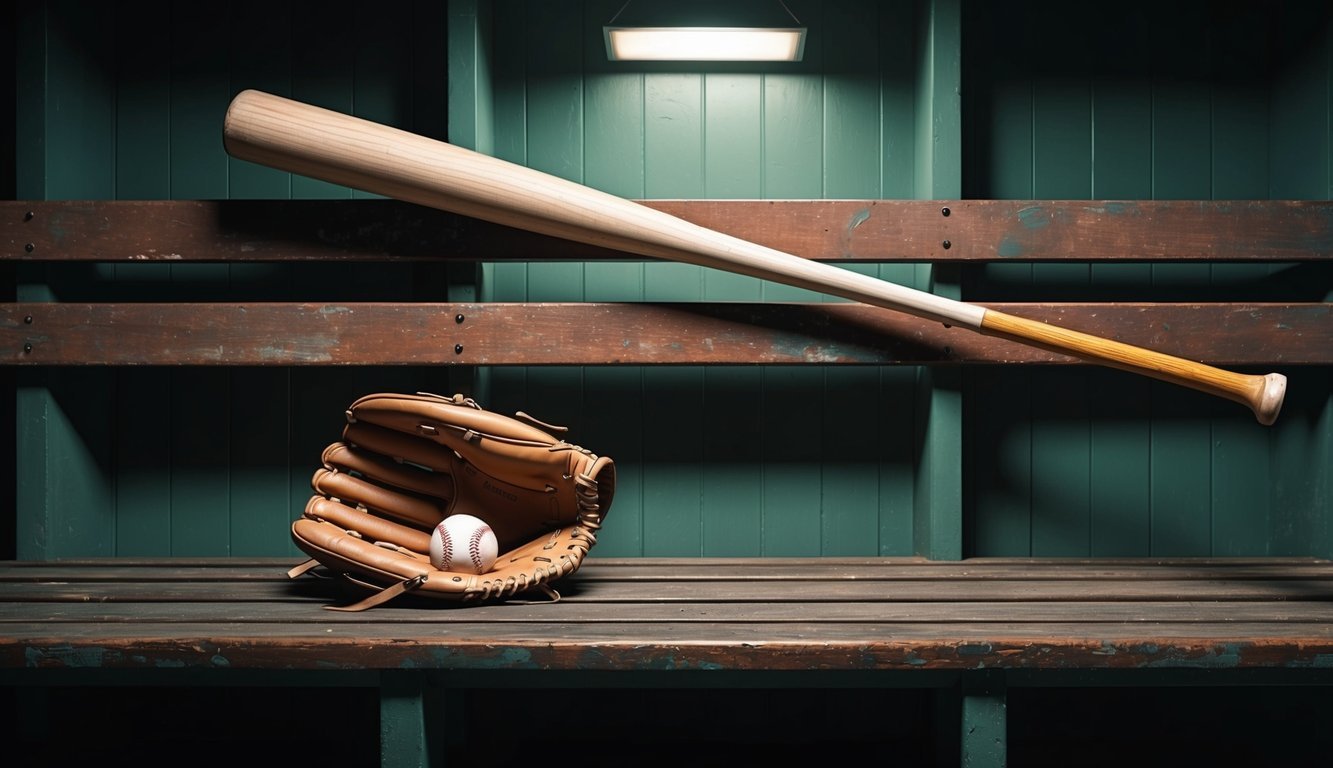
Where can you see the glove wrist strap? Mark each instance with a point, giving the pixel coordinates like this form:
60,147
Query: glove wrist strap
380,597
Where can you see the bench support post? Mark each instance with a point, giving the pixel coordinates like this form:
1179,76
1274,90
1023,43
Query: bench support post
403,739
984,720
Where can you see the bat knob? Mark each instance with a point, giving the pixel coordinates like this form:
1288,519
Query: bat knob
1269,402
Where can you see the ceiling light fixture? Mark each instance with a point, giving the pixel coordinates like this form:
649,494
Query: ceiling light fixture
667,42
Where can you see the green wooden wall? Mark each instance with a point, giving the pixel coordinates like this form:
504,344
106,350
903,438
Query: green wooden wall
1187,101
719,461
1191,100
125,101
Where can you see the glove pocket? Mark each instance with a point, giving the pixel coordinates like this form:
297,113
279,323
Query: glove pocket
384,572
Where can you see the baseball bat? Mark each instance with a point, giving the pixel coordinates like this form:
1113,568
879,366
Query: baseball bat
339,148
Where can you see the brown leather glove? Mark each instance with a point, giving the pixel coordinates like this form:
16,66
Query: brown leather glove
406,462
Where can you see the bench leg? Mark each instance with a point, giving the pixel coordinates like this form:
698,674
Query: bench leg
403,737
984,721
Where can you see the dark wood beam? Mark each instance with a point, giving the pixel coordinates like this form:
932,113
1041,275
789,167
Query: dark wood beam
828,230
366,333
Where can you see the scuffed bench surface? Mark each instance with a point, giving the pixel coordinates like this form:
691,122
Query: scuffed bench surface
658,614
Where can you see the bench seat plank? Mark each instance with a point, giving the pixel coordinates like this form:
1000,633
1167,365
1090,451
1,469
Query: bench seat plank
789,591
794,614
961,612
175,570
670,645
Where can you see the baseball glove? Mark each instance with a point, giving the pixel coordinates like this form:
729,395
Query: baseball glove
405,462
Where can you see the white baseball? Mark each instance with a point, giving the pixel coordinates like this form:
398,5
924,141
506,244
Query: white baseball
463,543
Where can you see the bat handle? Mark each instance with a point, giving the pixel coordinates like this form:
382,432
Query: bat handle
1261,393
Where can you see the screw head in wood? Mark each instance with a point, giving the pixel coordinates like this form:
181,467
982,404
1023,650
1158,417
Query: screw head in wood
28,216
27,347
459,318
945,211
947,245
27,319
458,349
29,247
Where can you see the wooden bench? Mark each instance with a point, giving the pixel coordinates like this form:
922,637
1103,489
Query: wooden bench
964,635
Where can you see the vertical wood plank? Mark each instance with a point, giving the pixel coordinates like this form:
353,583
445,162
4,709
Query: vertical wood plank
732,458
851,459
142,468
143,120
382,66
985,722
672,409
508,281
1241,471
322,73
404,738
64,446
469,66
260,505
732,495
1122,170
427,26
610,393
555,145
1061,169
79,493
732,161
143,464
555,125
851,109
1061,461
897,452
200,91
199,407
673,398
260,58
1120,482
80,123
896,29
31,399
999,449
198,400
939,492
1182,169
259,458
793,166
613,121
1000,463
850,464
1300,152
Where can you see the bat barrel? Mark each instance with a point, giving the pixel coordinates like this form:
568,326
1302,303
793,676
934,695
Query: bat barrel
342,149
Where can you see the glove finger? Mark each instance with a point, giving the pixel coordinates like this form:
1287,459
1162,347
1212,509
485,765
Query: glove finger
338,549
347,458
369,526
400,446
415,510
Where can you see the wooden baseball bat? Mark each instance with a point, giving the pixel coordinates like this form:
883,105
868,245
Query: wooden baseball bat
342,149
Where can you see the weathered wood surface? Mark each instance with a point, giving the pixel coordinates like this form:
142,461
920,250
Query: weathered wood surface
834,230
278,333
739,614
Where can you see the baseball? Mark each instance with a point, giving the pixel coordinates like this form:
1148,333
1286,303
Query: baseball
463,543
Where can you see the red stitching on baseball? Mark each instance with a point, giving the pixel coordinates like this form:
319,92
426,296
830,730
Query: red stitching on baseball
447,546
474,546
